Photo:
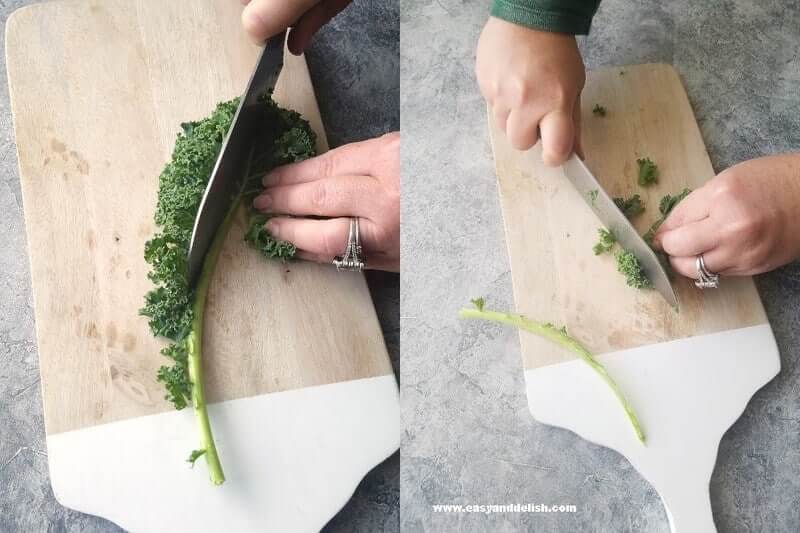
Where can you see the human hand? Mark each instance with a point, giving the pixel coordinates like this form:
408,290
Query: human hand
262,19
356,180
532,80
744,221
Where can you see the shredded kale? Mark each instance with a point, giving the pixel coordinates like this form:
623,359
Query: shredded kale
630,207
599,110
648,172
606,241
593,195
173,309
630,266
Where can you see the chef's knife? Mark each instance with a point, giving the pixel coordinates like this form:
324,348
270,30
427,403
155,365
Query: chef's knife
614,220
229,172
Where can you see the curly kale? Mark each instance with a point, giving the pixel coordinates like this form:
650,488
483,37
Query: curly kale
606,241
175,310
630,207
665,206
630,266
648,172
668,202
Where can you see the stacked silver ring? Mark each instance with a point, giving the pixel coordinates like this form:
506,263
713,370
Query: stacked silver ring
705,278
351,258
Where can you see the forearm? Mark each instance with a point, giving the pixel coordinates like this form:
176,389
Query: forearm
563,16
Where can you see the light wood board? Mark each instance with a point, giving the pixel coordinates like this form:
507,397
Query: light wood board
550,230
98,91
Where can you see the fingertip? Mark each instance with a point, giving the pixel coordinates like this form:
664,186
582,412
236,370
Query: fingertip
522,142
683,266
262,202
658,243
272,178
558,135
554,159
254,24
273,227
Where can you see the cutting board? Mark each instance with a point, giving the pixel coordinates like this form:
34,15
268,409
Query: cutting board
303,399
688,375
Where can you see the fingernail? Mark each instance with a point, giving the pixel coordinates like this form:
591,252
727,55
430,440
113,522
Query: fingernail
262,202
272,227
271,178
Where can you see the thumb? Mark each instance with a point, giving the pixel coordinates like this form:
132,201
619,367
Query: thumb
262,19
311,21
557,130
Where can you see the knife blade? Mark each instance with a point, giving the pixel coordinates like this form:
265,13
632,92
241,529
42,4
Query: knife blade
230,169
614,220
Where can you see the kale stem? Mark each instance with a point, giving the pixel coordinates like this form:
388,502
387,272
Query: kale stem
551,333
194,347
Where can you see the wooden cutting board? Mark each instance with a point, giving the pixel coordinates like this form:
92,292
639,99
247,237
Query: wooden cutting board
689,374
295,360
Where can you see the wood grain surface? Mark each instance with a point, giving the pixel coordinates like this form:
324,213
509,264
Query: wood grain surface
98,91
550,230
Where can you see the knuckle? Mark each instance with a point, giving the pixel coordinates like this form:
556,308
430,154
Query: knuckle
518,91
325,164
391,141
319,196
561,97
330,242
729,185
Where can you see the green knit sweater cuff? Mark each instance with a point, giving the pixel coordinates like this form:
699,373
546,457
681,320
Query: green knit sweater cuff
526,14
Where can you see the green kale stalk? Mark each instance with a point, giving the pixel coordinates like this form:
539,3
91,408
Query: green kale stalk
174,310
560,337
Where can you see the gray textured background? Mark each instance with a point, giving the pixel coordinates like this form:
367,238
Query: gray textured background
355,67
469,437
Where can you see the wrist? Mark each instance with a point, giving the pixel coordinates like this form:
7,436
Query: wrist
530,14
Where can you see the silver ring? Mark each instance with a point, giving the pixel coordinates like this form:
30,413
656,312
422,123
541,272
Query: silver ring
351,258
705,278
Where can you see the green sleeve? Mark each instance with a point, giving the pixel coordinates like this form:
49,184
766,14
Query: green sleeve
563,16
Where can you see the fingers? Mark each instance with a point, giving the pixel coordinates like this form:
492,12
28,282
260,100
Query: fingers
717,261
262,19
576,120
688,240
331,197
322,240
522,129
353,159
558,133
500,114
311,21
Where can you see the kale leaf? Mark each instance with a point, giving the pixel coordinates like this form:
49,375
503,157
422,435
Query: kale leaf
630,266
631,206
173,309
648,172
606,241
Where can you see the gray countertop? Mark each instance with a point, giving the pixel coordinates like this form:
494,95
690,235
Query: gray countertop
355,68
469,437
